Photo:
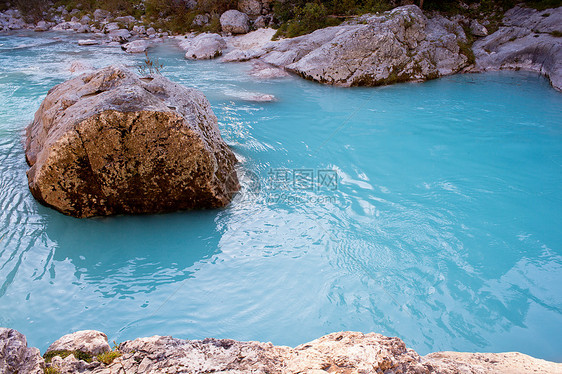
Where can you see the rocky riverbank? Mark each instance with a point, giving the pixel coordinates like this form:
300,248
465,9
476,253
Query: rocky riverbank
407,45
401,45
528,40
341,352
397,46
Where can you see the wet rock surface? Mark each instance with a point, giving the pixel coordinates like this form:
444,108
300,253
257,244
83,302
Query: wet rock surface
109,142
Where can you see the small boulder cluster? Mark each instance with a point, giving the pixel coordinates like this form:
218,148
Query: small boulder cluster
132,34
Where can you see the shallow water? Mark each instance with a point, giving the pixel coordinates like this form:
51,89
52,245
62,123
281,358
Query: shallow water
442,228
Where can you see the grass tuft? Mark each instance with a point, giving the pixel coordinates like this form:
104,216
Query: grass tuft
64,354
108,357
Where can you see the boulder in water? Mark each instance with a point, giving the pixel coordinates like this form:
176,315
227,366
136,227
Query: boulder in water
109,142
204,46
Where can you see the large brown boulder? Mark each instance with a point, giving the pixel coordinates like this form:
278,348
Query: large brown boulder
110,142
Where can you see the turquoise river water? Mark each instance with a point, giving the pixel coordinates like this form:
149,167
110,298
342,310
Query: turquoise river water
431,212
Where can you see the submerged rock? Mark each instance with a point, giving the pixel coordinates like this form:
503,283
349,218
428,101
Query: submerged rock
15,356
137,46
109,142
80,66
265,71
529,40
257,97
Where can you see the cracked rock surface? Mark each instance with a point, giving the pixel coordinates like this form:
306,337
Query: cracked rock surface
528,40
16,356
342,352
110,142
396,46
89,341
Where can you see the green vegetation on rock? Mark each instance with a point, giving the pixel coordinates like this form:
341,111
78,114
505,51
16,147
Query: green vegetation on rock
108,357
51,370
64,354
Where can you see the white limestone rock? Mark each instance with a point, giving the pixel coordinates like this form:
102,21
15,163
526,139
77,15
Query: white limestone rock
137,46
396,46
250,7
88,341
203,46
119,35
16,356
527,41
86,42
235,22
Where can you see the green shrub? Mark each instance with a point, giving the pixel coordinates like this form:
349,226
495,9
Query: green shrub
311,17
64,354
51,370
171,15
216,6
375,6
31,10
108,357
4,5
466,49
214,24
544,4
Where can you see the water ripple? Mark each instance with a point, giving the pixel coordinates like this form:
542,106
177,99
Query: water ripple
443,227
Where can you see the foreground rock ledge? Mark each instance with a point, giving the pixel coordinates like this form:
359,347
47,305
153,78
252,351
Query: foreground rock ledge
110,142
342,352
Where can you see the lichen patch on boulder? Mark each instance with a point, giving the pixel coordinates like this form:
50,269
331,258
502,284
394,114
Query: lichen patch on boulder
109,142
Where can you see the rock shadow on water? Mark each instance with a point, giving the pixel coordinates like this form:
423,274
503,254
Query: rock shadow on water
126,255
